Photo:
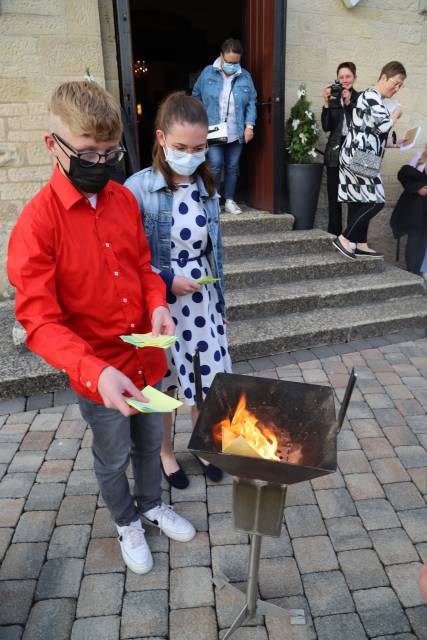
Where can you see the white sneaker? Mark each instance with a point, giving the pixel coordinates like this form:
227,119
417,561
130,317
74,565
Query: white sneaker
135,550
231,207
173,525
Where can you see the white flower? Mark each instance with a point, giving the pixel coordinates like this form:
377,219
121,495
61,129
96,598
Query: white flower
300,93
88,76
314,126
303,137
309,115
295,124
312,153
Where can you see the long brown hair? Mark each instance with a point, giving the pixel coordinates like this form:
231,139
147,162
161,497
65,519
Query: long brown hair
179,108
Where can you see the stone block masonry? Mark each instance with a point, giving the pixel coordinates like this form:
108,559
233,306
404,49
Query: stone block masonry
30,32
351,546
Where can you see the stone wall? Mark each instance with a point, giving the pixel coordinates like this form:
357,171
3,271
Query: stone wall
42,43
323,33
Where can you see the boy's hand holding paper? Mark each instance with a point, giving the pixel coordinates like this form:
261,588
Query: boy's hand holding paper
157,402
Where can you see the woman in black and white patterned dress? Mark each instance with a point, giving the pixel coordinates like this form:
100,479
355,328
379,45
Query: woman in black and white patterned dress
371,124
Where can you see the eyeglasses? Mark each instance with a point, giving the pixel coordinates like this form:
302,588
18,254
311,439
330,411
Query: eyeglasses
397,84
90,158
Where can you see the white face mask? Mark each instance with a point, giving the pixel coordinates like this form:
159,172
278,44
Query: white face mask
183,163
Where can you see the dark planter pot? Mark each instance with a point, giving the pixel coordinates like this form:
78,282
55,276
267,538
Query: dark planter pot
302,192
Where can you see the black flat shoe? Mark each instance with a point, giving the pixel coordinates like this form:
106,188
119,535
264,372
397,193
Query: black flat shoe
177,479
211,471
368,254
341,248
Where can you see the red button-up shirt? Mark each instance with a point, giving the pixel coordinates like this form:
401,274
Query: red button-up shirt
83,278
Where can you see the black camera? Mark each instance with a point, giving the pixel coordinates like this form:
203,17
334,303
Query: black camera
336,90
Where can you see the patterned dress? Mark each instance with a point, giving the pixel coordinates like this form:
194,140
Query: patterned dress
197,316
371,123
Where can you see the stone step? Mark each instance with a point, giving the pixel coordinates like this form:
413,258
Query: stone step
297,297
276,244
268,335
255,222
246,273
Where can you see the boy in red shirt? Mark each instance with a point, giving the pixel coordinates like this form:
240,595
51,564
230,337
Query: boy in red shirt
80,262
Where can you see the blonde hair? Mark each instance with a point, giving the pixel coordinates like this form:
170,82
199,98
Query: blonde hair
87,109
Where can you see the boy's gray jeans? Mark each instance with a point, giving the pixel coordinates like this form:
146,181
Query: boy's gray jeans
115,440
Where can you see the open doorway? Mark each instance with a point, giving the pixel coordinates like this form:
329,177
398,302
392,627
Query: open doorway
172,42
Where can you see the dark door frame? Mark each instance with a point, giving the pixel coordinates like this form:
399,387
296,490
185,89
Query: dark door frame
123,27
281,9
127,88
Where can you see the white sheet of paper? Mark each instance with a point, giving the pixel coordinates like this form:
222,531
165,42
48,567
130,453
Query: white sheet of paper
411,135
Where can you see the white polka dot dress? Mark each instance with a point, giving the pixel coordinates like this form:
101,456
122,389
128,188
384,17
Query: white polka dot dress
197,316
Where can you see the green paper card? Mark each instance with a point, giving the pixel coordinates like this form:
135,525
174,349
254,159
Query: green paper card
147,340
207,280
158,402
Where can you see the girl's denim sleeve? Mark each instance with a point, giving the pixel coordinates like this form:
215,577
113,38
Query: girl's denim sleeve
167,276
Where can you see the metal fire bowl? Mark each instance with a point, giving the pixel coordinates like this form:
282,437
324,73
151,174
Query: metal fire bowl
305,412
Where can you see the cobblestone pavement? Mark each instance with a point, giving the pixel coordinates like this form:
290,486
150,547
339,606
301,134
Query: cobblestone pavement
351,547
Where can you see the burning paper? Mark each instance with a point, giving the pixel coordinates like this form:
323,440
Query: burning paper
243,435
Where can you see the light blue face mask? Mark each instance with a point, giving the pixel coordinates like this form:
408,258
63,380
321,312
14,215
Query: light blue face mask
183,163
231,68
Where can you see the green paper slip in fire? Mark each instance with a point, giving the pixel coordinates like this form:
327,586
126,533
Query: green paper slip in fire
158,402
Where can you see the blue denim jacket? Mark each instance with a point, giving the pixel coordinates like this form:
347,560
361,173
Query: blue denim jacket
155,202
208,90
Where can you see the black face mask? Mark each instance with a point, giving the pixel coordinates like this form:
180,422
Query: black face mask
90,179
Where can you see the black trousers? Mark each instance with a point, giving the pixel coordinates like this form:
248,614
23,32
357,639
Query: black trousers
359,216
415,248
335,207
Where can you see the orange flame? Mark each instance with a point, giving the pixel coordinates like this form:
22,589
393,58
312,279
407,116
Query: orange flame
244,424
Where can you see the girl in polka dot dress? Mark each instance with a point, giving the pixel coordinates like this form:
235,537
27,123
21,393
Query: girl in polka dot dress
180,210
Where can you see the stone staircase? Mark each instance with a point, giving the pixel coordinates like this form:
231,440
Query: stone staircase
285,290
291,290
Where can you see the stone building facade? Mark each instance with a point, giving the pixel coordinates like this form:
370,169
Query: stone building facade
44,42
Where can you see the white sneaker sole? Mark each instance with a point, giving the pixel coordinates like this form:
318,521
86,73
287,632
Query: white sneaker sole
136,568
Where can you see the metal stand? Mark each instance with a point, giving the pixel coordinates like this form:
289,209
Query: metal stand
258,510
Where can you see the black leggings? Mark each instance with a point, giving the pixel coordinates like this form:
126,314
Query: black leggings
335,207
359,216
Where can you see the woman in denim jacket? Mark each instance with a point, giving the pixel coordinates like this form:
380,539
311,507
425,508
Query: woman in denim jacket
180,211
228,94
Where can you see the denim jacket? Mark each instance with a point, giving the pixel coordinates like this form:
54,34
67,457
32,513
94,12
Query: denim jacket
155,202
208,90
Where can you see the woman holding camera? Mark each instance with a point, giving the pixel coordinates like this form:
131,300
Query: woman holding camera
339,100
360,184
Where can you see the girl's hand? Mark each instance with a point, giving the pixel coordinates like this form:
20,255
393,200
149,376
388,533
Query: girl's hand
422,191
182,286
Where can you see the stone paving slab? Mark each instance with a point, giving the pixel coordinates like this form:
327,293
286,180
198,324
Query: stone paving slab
351,545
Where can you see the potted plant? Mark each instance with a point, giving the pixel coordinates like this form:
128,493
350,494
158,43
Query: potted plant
303,176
